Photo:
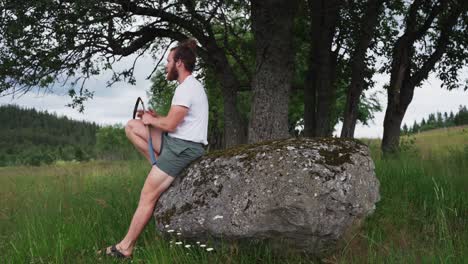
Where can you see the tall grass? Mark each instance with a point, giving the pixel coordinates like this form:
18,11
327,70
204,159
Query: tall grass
423,213
63,214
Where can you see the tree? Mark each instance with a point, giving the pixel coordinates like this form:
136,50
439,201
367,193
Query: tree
433,33
51,41
368,23
405,129
431,120
439,119
461,118
341,35
423,122
274,62
319,86
415,128
451,119
304,100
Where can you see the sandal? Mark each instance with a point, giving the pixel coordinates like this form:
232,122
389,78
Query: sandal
114,252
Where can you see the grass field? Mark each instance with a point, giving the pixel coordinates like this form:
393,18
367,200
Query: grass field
64,213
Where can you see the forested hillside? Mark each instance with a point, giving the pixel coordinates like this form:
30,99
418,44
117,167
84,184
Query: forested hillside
30,137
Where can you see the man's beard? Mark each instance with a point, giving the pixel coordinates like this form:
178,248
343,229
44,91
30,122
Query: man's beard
172,74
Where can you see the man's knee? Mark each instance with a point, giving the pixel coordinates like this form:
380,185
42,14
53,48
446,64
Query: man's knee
156,183
130,127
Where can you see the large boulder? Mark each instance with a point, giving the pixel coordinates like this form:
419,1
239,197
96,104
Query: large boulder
302,192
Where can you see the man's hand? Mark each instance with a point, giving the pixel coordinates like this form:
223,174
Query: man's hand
150,111
147,118
139,113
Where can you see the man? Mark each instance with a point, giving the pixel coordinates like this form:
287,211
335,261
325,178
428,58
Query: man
178,139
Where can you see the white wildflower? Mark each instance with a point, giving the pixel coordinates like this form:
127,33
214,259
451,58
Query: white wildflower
178,243
170,230
187,246
218,217
209,249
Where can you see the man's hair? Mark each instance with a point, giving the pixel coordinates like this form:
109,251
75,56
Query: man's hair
185,51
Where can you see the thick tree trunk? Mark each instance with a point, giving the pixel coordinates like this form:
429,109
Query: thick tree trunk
310,102
272,23
392,124
403,79
215,134
397,105
319,90
368,23
399,94
235,128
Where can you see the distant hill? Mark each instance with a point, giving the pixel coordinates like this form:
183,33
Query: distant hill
31,137
439,141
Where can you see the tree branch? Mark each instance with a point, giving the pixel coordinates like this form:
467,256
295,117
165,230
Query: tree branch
168,17
147,34
435,11
157,64
441,46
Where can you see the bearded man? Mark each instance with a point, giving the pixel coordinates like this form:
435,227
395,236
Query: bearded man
178,139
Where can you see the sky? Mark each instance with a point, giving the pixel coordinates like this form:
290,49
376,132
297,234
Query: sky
114,105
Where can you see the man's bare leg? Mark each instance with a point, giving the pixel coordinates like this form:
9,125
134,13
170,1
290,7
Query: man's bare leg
137,133
156,183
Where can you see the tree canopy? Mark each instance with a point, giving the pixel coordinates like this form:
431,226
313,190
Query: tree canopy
266,65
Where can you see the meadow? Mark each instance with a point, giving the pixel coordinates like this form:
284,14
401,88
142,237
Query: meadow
63,213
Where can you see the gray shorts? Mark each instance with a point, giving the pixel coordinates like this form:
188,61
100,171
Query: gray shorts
176,154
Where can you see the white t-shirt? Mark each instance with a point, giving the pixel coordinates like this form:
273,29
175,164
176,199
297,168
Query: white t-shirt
191,93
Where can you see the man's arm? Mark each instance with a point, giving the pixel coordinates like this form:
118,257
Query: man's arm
167,123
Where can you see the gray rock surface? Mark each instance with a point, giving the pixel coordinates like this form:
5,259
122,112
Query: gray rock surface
302,193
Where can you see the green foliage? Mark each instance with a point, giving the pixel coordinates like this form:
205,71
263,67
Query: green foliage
161,93
407,146
29,137
47,41
112,144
